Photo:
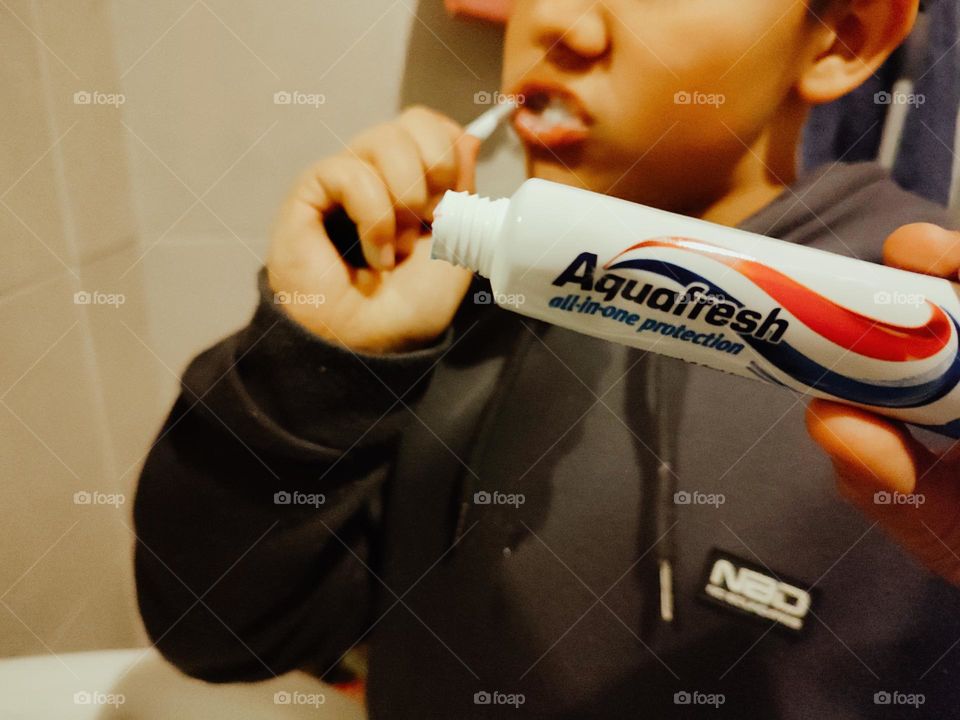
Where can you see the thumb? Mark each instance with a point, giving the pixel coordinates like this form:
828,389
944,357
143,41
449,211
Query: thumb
467,149
924,248
867,450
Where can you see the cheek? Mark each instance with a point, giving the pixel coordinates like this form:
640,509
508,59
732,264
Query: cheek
738,70
706,86
520,52
512,59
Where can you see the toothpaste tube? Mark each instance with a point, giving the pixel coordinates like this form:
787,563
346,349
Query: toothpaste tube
821,324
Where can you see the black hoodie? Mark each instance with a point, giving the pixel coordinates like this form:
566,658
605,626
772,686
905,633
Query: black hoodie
490,515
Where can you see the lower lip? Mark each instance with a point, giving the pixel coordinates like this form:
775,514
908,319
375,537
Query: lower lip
527,124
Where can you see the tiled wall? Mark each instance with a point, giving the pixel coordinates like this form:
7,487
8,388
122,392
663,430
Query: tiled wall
65,216
163,202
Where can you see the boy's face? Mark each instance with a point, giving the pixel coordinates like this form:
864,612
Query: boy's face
652,100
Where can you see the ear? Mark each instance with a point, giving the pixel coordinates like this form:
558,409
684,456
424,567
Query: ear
497,11
849,42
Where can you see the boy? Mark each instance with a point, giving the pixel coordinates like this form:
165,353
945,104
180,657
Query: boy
514,518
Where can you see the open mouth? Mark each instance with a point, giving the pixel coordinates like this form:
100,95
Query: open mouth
551,117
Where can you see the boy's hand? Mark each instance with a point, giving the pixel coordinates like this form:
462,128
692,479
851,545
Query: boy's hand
875,457
388,182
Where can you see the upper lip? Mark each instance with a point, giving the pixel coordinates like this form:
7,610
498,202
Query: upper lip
531,90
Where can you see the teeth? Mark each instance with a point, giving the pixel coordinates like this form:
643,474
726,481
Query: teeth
557,112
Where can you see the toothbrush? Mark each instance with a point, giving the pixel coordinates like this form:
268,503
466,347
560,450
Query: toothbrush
486,124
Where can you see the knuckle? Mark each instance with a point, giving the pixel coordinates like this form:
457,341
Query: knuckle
442,168
366,178
355,177
417,111
423,117
317,175
415,194
326,167
376,139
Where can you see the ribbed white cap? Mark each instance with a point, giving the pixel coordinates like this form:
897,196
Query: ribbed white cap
465,230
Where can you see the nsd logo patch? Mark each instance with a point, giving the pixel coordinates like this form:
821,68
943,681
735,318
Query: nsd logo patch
750,589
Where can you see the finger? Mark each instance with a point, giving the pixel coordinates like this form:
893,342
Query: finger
434,136
924,248
345,181
393,152
869,452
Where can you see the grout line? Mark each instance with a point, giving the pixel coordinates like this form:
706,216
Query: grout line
59,170
132,186
106,438
69,229
17,291
90,365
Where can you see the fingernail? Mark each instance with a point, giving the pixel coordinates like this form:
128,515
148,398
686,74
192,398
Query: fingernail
387,257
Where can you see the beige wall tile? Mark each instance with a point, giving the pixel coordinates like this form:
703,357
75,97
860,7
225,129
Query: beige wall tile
201,101
195,111
136,389
36,244
199,80
85,97
31,220
197,292
64,565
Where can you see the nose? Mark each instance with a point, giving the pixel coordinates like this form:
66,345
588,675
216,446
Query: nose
572,27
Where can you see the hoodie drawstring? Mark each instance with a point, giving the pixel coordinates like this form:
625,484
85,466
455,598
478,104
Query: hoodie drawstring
665,382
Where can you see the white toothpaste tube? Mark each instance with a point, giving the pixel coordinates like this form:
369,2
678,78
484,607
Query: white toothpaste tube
821,324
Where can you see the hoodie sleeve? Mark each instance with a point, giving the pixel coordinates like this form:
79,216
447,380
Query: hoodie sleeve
257,507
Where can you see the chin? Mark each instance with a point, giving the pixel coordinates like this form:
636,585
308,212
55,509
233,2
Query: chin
576,175
606,180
